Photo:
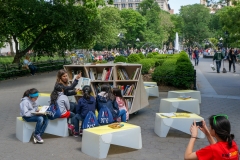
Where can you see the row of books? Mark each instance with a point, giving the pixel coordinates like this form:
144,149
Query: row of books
107,74
123,75
127,90
129,103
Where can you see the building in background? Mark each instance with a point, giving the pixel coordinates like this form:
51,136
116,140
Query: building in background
133,4
214,7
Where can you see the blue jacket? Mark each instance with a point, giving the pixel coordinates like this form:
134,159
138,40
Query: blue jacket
101,100
84,106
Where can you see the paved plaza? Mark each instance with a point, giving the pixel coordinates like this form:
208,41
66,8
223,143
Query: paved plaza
220,94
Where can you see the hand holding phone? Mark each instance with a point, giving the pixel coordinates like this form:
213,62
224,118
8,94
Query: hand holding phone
200,124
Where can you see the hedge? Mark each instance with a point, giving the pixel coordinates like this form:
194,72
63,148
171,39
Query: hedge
132,58
120,59
146,65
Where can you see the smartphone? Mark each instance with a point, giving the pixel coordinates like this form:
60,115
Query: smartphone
198,123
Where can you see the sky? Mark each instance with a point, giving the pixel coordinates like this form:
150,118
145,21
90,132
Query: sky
176,4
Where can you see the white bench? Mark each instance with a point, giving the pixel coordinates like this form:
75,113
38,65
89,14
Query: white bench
194,94
172,104
163,124
24,130
151,89
96,141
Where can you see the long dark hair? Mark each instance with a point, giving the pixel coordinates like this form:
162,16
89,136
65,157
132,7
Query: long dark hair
107,89
86,92
54,95
222,128
29,91
59,76
117,92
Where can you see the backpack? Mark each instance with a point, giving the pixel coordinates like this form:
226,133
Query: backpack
105,116
53,112
90,121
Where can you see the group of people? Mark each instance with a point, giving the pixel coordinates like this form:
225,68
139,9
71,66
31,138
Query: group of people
108,97
194,54
231,57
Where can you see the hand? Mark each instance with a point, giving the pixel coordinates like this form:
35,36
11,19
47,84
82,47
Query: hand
79,75
194,129
77,90
204,128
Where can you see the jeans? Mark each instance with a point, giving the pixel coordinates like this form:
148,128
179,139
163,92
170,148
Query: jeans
196,60
75,122
73,107
218,65
230,64
122,114
71,116
190,56
33,69
41,125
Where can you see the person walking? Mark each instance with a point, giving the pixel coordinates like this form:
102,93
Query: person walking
232,59
218,57
190,52
196,52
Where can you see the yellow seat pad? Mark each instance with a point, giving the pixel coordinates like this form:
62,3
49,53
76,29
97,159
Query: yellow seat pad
105,129
20,118
191,116
178,99
44,94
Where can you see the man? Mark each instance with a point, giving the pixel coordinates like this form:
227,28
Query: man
196,52
218,57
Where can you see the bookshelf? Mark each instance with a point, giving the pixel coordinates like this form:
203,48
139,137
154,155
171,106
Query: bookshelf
125,76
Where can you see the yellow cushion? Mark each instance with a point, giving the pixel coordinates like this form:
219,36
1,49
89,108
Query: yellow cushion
44,94
105,129
20,118
96,113
191,115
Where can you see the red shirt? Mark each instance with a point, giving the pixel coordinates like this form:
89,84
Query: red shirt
218,151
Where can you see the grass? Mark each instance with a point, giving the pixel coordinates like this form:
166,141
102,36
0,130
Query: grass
9,59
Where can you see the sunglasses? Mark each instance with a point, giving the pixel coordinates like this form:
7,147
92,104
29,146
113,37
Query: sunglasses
219,115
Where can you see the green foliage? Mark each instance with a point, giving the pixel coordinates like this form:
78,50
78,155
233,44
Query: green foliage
184,75
183,58
155,53
150,55
161,56
141,55
146,65
132,58
120,59
159,62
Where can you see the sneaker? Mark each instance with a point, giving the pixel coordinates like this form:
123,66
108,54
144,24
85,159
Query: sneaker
70,129
81,132
75,134
34,140
37,138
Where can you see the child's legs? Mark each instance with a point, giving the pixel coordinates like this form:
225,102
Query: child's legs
122,114
38,119
44,125
75,122
71,116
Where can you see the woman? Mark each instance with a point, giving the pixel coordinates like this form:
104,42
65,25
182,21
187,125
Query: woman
62,77
223,148
32,68
232,59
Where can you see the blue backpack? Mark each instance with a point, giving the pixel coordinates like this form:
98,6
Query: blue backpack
53,112
105,116
90,121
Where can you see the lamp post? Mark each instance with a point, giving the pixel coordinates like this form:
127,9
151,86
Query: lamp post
226,35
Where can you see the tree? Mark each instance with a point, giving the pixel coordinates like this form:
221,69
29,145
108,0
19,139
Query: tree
134,24
110,26
195,23
49,26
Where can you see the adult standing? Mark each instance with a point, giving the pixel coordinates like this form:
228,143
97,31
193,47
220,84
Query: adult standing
232,59
196,52
218,57
69,90
190,52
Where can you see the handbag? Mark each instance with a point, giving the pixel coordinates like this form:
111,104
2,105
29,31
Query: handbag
213,67
193,56
224,69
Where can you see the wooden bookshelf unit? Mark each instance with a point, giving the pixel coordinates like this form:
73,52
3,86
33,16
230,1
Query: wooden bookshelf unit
125,76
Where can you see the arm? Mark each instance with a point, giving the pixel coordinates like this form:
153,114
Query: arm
27,110
115,106
205,130
66,102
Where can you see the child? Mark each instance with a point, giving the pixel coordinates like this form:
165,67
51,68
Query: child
85,104
121,102
57,96
27,107
106,97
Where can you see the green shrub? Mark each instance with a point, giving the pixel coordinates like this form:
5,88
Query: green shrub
183,58
132,58
155,53
146,65
150,55
141,55
159,62
184,75
160,56
120,59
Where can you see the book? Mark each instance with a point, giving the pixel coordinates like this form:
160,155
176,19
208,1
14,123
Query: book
99,76
82,82
42,110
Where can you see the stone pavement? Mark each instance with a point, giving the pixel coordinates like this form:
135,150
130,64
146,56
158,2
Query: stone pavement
220,94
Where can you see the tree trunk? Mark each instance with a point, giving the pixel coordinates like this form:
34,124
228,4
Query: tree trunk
11,46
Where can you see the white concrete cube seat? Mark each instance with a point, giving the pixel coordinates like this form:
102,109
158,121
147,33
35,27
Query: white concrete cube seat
43,99
150,84
96,141
24,130
163,124
172,104
194,94
152,91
